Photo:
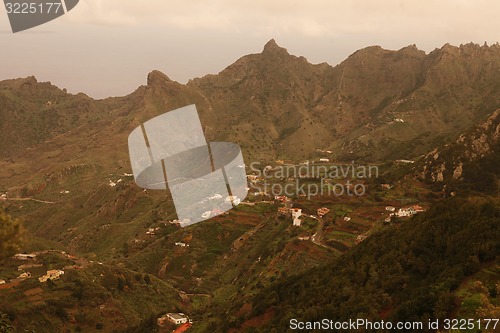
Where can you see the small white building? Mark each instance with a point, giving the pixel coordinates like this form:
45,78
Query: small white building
323,211
216,196
185,222
181,244
296,214
175,318
2,282
25,275
390,208
234,199
25,256
325,160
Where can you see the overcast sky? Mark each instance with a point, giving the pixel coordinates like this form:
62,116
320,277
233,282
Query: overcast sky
107,47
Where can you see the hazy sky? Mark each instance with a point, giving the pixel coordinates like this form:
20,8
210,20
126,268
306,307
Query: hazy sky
107,47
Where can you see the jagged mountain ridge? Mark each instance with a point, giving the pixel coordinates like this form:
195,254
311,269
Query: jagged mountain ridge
446,164
377,104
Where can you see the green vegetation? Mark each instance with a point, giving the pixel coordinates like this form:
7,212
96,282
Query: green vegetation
10,235
408,273
61,152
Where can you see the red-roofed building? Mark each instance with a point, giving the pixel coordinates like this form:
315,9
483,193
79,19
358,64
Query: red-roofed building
323,211
183,328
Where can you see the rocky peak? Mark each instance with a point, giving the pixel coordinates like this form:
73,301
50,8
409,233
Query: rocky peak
272,48
412,50
157,77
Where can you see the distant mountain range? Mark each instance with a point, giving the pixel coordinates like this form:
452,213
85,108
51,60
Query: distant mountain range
375,105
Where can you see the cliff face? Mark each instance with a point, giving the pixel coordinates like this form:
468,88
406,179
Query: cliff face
448,162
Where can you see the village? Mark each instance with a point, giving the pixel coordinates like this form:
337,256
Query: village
339,223
29,262
352,219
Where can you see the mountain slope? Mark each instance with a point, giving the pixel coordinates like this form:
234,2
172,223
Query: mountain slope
471,159
410,273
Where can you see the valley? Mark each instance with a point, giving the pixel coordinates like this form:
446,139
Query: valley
311,245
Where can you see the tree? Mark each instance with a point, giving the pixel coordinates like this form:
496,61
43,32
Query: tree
10,235
5,324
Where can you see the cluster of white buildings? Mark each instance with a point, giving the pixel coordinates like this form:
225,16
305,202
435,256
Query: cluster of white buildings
152,231
54,274
403,212
113,184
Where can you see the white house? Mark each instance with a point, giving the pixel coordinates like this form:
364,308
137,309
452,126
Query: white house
234,199
215,196
2,281
326,160
390,208
176,318
296,214
24,256
185,222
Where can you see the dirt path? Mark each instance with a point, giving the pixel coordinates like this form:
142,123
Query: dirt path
317,238
31,199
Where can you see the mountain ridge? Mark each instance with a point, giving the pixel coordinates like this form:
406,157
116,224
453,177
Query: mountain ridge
276,104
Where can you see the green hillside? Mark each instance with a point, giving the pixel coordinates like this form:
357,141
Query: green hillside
418,271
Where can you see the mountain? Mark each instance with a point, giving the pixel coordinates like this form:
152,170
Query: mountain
65,172
377,104
33,112
469,161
